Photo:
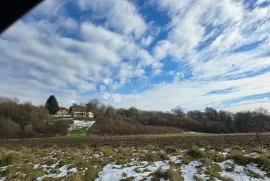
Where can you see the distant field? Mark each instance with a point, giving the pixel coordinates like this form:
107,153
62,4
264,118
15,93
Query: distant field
181,140
184,134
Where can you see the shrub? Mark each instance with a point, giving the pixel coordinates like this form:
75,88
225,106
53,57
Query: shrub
23,115
118,127
28,130
61,128
8,128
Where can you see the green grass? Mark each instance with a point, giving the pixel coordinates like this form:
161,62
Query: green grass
253,174
80,157
172,174
151,157
10,159
77,132
128,179
162,135
50,162
230,168
124,174
264,161
196,153
137,170
91,174
181,134
213,172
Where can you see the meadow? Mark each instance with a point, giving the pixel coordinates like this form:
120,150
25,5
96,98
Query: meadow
176,157
128,145
179,140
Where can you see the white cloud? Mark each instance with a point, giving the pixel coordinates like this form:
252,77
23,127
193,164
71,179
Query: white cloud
52,52
49,8
171,72
161,49
237,25
122,15
139,72
178,76
146,41
37,46
194,94
157,72
157,65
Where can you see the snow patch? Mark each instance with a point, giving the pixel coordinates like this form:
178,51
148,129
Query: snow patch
77,124
239,172
252,155
63,172
190,170
138,170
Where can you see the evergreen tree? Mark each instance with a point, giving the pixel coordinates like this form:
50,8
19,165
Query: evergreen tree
52,104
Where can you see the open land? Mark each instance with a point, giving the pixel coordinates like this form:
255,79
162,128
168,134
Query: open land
184,156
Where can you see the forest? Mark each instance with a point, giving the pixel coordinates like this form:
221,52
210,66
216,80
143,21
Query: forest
26,120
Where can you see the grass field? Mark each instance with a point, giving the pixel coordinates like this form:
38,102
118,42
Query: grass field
176,157
134,163
181,140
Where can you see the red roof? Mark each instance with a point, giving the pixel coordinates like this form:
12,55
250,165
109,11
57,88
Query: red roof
62,108
78,108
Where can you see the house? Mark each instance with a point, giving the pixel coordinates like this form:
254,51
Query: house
62,111
80,111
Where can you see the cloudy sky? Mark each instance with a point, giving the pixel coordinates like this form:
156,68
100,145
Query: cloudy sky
154,54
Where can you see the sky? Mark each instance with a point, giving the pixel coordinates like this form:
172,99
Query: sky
154,55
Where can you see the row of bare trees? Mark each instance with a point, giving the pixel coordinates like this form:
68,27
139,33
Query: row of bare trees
209,120
25,120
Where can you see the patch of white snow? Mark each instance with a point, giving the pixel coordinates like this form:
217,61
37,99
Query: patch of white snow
77,124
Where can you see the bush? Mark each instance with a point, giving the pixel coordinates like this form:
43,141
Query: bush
61,128
28,130
118,127
8,128
23,115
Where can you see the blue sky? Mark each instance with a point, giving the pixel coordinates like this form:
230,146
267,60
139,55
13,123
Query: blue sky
154,55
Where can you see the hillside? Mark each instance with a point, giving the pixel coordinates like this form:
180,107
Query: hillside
117,127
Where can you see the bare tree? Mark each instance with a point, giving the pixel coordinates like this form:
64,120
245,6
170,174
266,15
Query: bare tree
178,111
259,123
83,109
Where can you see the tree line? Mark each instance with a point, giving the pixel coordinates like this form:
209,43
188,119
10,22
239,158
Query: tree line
18,120
26,120
210,120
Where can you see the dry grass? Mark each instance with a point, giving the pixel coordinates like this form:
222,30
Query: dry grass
165,140
22,160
